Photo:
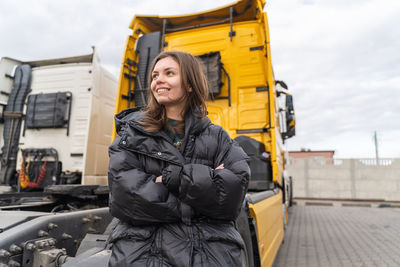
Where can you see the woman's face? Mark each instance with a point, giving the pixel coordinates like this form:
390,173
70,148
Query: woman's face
166,83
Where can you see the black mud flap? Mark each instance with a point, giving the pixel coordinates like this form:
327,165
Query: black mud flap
260,164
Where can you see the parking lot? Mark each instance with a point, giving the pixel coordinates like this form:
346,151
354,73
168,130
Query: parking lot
341,234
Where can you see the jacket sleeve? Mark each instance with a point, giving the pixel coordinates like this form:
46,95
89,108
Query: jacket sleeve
134,197
215,193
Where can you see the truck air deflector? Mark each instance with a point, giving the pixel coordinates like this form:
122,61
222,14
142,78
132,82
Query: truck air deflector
242,10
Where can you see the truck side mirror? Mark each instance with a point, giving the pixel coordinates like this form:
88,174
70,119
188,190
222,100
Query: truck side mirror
290,118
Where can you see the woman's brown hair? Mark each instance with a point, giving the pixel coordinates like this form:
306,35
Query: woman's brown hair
192,76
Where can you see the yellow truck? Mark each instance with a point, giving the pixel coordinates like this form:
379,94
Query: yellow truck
256,110
68,225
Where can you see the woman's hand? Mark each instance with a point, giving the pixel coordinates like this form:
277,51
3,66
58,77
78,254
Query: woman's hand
220,167
159,178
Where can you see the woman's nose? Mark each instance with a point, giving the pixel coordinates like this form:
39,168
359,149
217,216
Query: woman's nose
160,79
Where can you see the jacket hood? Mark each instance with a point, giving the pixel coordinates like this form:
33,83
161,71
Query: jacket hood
193,122
130,115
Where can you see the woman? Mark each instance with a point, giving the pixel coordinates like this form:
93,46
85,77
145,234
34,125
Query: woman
177,181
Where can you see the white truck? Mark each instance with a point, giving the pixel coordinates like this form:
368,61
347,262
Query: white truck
56,126
57,119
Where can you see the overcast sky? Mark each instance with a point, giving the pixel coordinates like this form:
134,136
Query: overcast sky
340,58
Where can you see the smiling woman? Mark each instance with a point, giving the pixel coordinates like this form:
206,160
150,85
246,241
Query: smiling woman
177,181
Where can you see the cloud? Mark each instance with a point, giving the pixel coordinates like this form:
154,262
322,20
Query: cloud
341,62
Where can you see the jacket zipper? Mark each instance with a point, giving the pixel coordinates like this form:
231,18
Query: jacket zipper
153,156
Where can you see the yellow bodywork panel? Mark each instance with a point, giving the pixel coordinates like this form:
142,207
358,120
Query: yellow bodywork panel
246,69
268,215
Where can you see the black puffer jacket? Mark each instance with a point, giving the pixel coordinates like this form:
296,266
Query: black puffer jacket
188,219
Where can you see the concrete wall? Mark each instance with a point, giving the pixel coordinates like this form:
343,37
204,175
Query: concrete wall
346,178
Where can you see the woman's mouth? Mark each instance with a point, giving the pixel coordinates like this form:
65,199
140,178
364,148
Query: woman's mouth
162,90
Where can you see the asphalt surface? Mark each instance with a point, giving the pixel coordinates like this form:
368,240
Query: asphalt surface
341,234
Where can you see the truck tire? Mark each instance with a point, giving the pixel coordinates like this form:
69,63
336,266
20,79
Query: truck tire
242,223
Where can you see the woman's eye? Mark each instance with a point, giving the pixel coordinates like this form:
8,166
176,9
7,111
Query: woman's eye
169,73
154,76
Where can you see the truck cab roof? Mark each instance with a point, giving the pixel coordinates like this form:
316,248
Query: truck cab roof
243,10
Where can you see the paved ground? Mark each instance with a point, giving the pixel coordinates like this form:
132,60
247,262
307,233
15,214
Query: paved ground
340,235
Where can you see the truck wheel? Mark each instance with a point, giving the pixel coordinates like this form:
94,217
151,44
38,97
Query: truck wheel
242,223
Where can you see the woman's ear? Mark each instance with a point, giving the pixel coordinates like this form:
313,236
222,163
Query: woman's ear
190,89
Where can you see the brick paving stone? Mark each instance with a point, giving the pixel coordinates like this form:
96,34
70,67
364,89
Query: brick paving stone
341,236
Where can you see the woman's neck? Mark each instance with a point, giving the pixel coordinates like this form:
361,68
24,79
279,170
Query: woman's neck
174,112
